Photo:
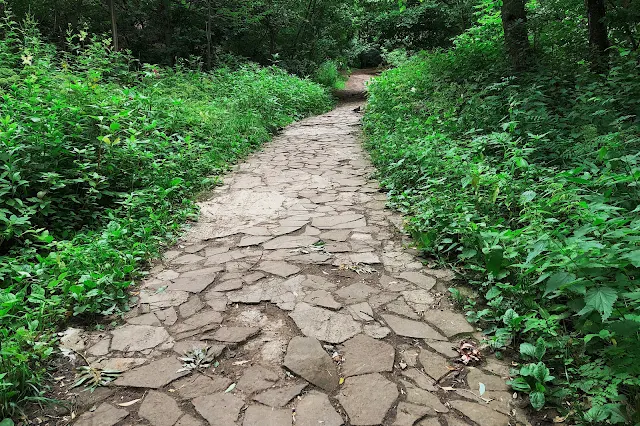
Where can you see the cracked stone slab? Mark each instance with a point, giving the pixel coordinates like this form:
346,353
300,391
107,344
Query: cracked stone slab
306,358
259,415
421,379
191,284
323,324
132,338
257,378
409,328
376,331
491,382
416,395
281,269
314,409
343,221
159,409
188,420
279,397
290,242
449,322
434,364
145,319
361,311
206,318
323,299
367,398
163,299
425,282
105,415
356,293
221,409
197,385
154,375
364,354
480,414
408,414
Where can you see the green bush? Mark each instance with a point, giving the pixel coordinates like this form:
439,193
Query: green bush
99,164
328,75
529,185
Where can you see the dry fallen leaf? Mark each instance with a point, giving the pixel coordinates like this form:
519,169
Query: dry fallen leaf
127,404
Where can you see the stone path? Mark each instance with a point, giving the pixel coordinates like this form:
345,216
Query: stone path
296,286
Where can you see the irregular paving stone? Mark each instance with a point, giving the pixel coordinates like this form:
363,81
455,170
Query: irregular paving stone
132,338
281,396
221,409
323,324
366,399
119,364
159,409
167,316
281,269
191,284
229,285
392,284
491,382
163,299
376,331
409,328
100,348
363,354
105,415
367,258
377,300
343,221
450,323
418,297
257,378
322,298
407,414
153,375
198,384
444,348
204,319
233,334
318,283
361,311
145,319
419,396
188,420
306,358
434,365
423,281
187,259
290,242
314,409
259,415
167,275
420,378
401,308
433,421
338,235
480,414
184,346
216,300
253,240
190,307
356,293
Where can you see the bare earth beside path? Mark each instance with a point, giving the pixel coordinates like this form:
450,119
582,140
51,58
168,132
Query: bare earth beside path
297,280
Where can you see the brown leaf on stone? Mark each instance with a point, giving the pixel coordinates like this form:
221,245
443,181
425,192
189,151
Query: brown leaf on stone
469,353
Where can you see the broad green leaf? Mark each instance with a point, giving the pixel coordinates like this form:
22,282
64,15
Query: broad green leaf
633,257
519,384
601,299
537,400
558,280
492,293
527,196
527,349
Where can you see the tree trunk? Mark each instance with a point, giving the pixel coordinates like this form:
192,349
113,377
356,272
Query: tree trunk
114,24
516,37
209,60
598,37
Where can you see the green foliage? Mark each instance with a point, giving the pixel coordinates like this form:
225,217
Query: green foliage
329,76
99,164
529,184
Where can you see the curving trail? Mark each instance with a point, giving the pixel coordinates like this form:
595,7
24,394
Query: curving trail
297,281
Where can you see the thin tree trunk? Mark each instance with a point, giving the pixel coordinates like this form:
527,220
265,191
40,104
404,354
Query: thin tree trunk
209,60
516,37
114,24
598,36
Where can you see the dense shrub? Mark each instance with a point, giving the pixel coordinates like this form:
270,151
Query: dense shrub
98,167
328,75
528,184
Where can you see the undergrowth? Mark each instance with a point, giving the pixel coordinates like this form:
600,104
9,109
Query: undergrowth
100,160
529,185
